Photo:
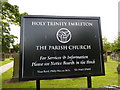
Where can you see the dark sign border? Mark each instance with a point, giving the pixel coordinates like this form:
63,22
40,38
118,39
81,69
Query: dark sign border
57,17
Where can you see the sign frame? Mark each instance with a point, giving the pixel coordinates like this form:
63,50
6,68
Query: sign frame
21,69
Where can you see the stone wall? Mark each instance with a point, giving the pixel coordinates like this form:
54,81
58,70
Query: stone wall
115,56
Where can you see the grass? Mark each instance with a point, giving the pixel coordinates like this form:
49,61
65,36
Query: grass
5,62
111,78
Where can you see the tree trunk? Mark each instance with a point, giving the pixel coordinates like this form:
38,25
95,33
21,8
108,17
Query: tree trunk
3,56
105,57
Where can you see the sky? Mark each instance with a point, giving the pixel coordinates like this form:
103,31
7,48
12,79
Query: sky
107,10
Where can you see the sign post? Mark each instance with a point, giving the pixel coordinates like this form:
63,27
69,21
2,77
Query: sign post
54,47
37,84
89,82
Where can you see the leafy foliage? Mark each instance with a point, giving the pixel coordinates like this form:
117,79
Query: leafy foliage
10,15
16,47
116,45
106,45
113,47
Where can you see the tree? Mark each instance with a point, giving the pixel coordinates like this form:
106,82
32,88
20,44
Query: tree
16,48
116,45
106,47
10,15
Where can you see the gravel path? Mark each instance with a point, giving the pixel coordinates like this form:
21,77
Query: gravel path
6,67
